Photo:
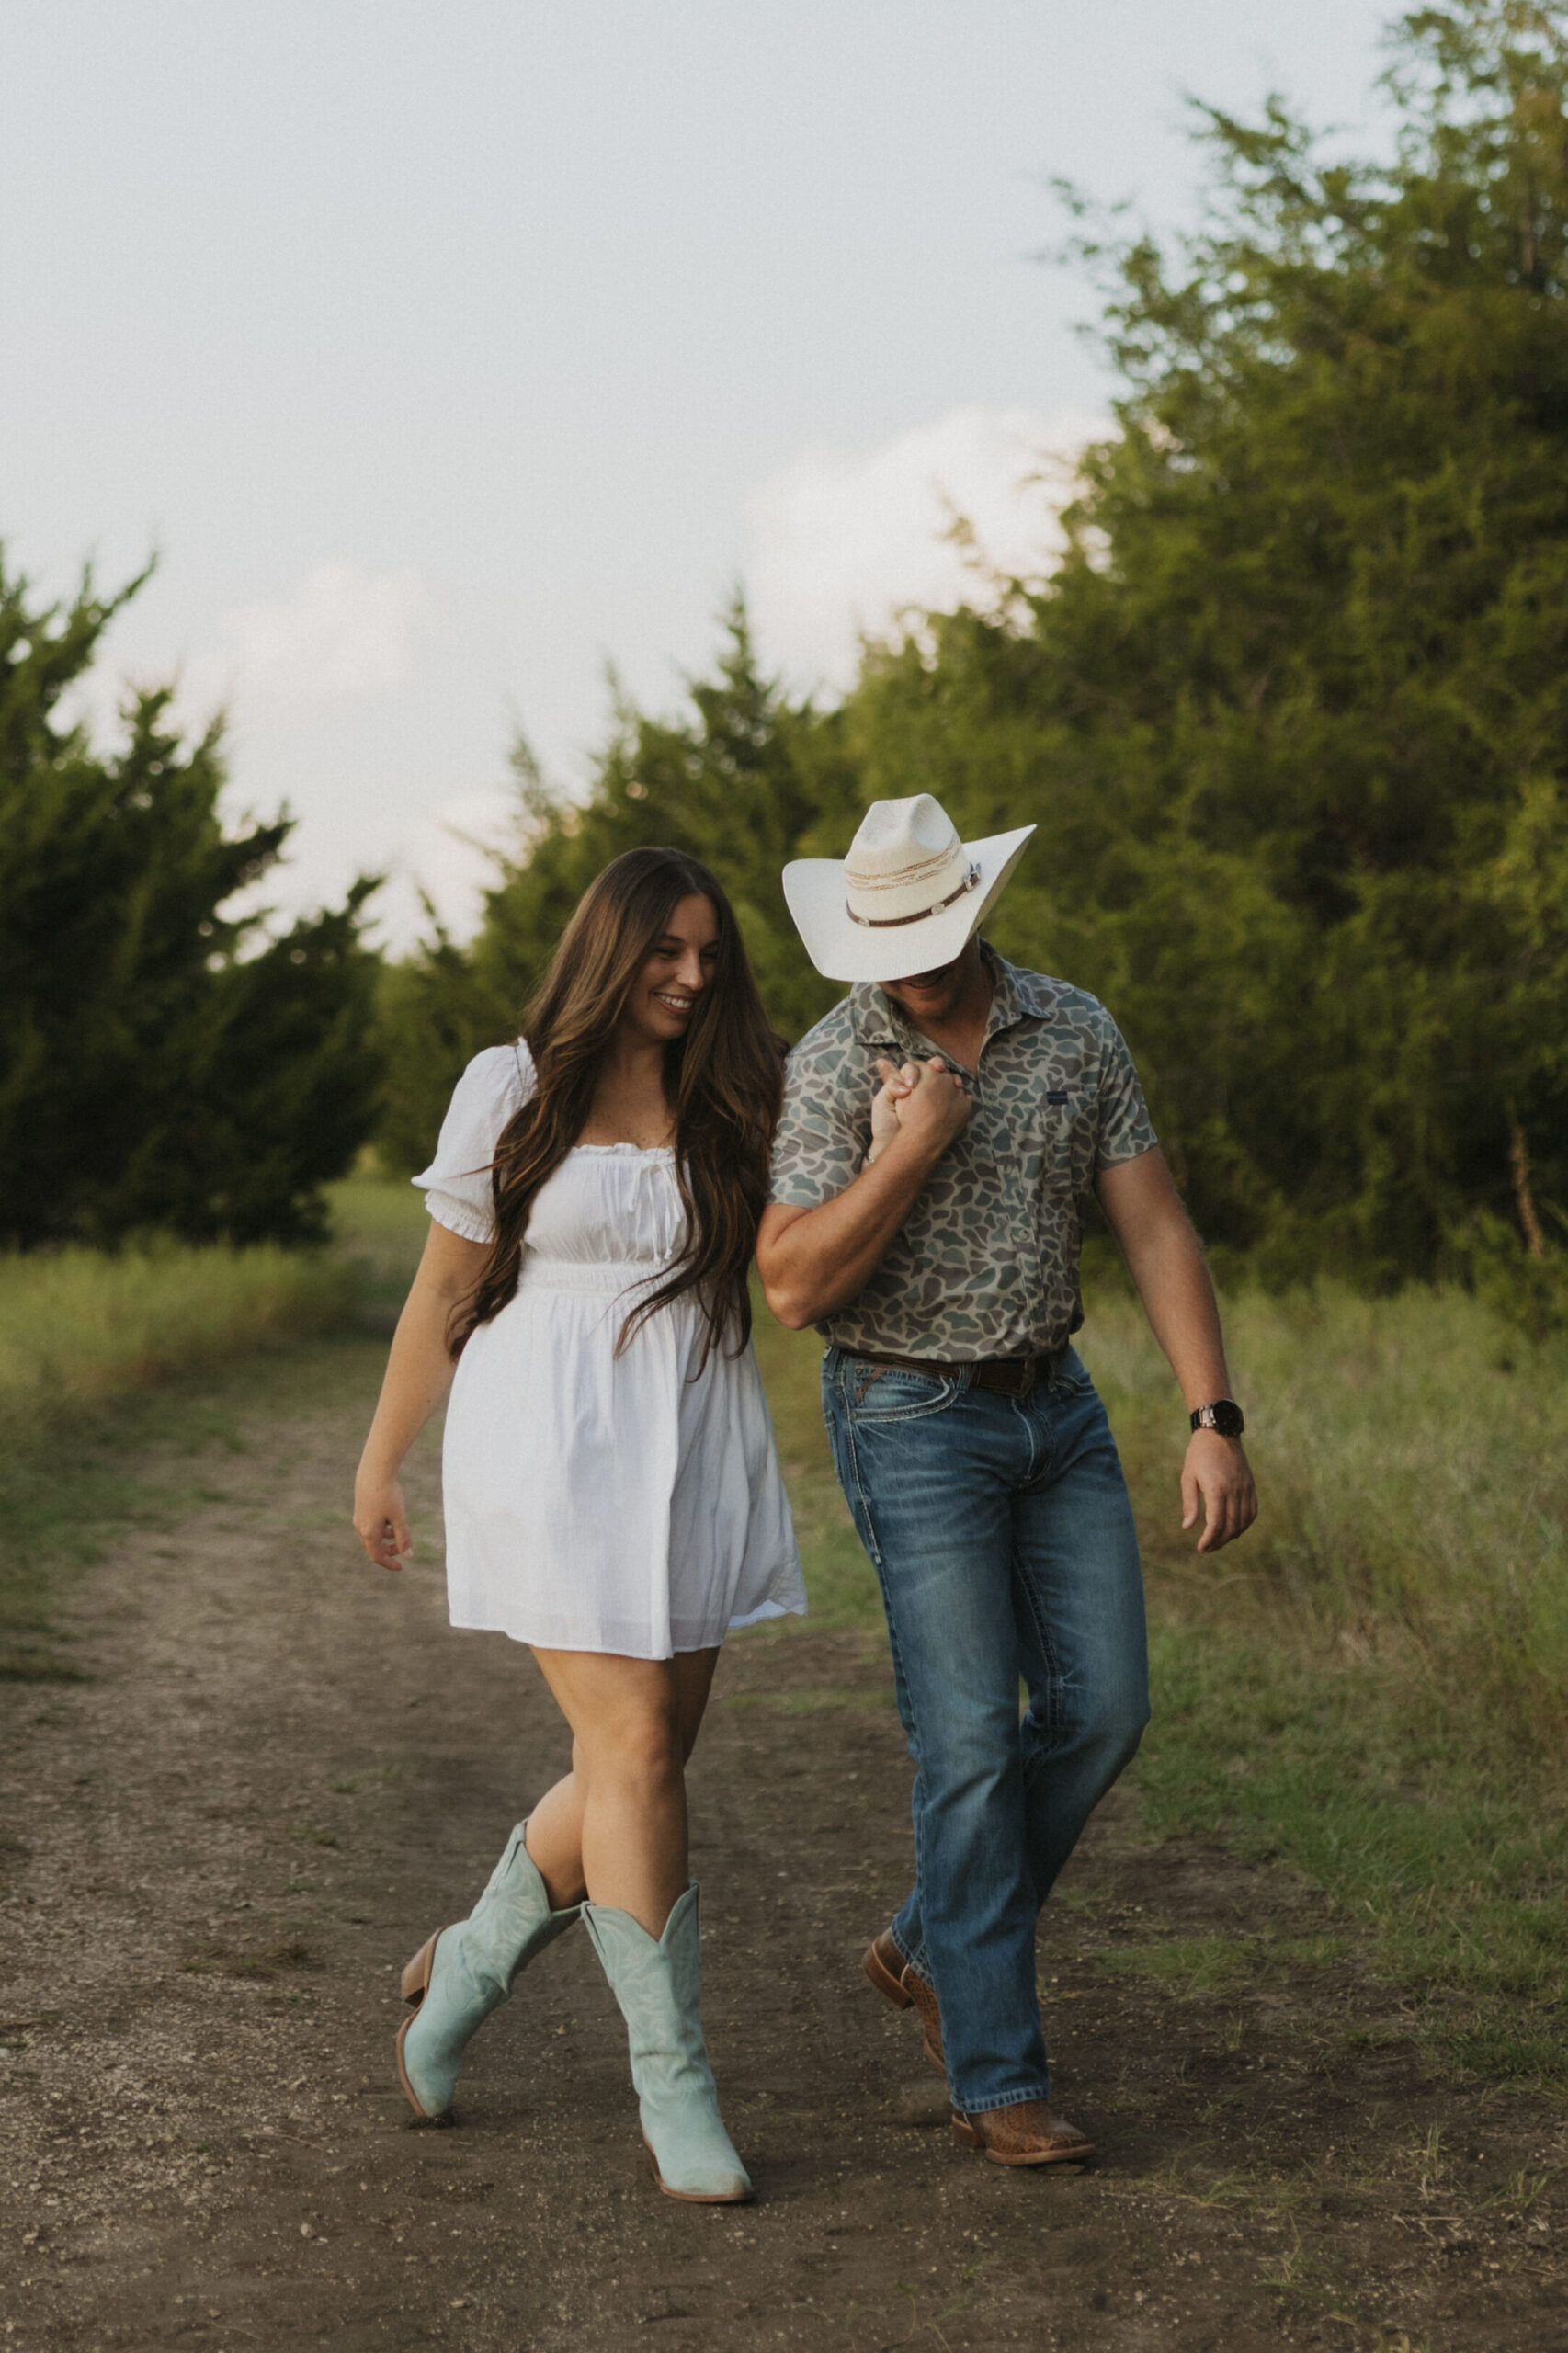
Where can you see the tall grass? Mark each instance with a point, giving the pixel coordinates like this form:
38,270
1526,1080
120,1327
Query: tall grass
1412,1459
378,1228
80,1330
76,1326
1369,1686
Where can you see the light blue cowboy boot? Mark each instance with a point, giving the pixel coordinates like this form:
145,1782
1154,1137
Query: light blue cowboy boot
459,1975
658,1984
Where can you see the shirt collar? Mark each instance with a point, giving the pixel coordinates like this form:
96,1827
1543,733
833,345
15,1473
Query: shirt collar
1015,995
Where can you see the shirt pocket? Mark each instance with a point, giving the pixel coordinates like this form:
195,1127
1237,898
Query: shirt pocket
1049,1138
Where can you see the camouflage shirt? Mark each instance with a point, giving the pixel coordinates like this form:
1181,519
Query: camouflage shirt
986,1264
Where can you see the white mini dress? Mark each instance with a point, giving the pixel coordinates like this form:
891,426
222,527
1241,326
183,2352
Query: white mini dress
596,1502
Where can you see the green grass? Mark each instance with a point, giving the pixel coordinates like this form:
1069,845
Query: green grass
378,1224
99,1356
1190,1965
84,1339
1369,1688
1413,1461
77,1326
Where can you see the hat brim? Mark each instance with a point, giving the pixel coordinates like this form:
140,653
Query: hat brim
843,949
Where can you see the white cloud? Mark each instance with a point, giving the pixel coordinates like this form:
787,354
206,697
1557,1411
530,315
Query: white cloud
446,851
449,853
838,547
345,635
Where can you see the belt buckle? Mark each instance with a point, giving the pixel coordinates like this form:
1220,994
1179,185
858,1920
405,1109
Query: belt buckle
1020,1376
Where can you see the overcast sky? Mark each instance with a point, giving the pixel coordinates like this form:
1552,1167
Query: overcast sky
446,354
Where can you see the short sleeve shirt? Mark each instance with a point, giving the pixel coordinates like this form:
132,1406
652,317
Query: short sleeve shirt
986,1263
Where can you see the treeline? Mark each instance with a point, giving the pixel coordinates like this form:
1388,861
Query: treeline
165,1065
1290,714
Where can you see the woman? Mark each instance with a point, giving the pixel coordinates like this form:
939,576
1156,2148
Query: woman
612,1491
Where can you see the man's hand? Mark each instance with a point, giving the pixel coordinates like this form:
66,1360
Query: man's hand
813,1262
896,1085
1216,1473
927,1104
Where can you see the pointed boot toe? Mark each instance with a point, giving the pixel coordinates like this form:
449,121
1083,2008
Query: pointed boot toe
705,2173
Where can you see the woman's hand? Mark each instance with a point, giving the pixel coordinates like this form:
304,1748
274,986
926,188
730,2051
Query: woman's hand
895,1087
380,1519
418,1375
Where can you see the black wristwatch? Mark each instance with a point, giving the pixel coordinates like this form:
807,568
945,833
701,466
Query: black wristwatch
1224,1416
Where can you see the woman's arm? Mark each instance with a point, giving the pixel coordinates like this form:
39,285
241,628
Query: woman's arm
418,1374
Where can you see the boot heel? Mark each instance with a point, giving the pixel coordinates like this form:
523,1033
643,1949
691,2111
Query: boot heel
964,2132
465,1971
416,1974
886,1983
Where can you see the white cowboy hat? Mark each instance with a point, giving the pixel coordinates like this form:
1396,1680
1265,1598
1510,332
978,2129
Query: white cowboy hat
905,900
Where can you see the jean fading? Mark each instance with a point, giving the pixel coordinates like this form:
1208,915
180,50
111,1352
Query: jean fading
1001,1537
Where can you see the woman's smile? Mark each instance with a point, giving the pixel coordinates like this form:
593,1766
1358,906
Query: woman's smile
679,967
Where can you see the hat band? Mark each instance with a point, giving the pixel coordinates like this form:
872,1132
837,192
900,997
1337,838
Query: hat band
893,922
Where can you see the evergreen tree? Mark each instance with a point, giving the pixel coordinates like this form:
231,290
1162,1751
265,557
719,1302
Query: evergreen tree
1290,714
1293,713
160,1066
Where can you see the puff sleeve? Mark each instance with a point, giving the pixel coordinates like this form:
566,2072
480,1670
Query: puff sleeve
457,1183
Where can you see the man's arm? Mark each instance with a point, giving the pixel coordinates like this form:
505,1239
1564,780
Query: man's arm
814,1262
1166,1262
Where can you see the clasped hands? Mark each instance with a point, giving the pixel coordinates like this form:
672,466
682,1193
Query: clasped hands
922,1099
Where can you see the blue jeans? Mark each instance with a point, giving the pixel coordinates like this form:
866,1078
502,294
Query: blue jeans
1003,1539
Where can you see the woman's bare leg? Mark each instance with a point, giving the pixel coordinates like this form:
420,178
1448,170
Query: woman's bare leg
555,1838
615,1826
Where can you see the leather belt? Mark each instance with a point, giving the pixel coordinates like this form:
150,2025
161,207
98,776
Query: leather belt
1014,1376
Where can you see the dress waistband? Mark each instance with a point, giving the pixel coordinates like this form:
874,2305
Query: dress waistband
599,1278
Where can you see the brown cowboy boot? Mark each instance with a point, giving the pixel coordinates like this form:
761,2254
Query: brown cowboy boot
903,1988
1032,2133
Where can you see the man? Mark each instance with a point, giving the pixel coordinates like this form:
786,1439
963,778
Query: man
939,1256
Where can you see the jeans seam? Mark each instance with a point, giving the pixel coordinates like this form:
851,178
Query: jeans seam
877,1562
873,1547
1055,1713
866,1529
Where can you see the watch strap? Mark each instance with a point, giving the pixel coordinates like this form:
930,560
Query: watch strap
1223,1414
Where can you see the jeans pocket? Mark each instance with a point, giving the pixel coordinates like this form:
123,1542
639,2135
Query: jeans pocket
889,1393
1070,1378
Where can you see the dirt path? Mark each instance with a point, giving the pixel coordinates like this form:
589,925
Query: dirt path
219,1851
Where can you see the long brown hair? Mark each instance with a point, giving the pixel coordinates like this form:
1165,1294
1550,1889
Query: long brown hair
723,1079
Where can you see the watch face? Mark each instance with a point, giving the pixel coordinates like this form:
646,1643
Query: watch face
1227,1418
